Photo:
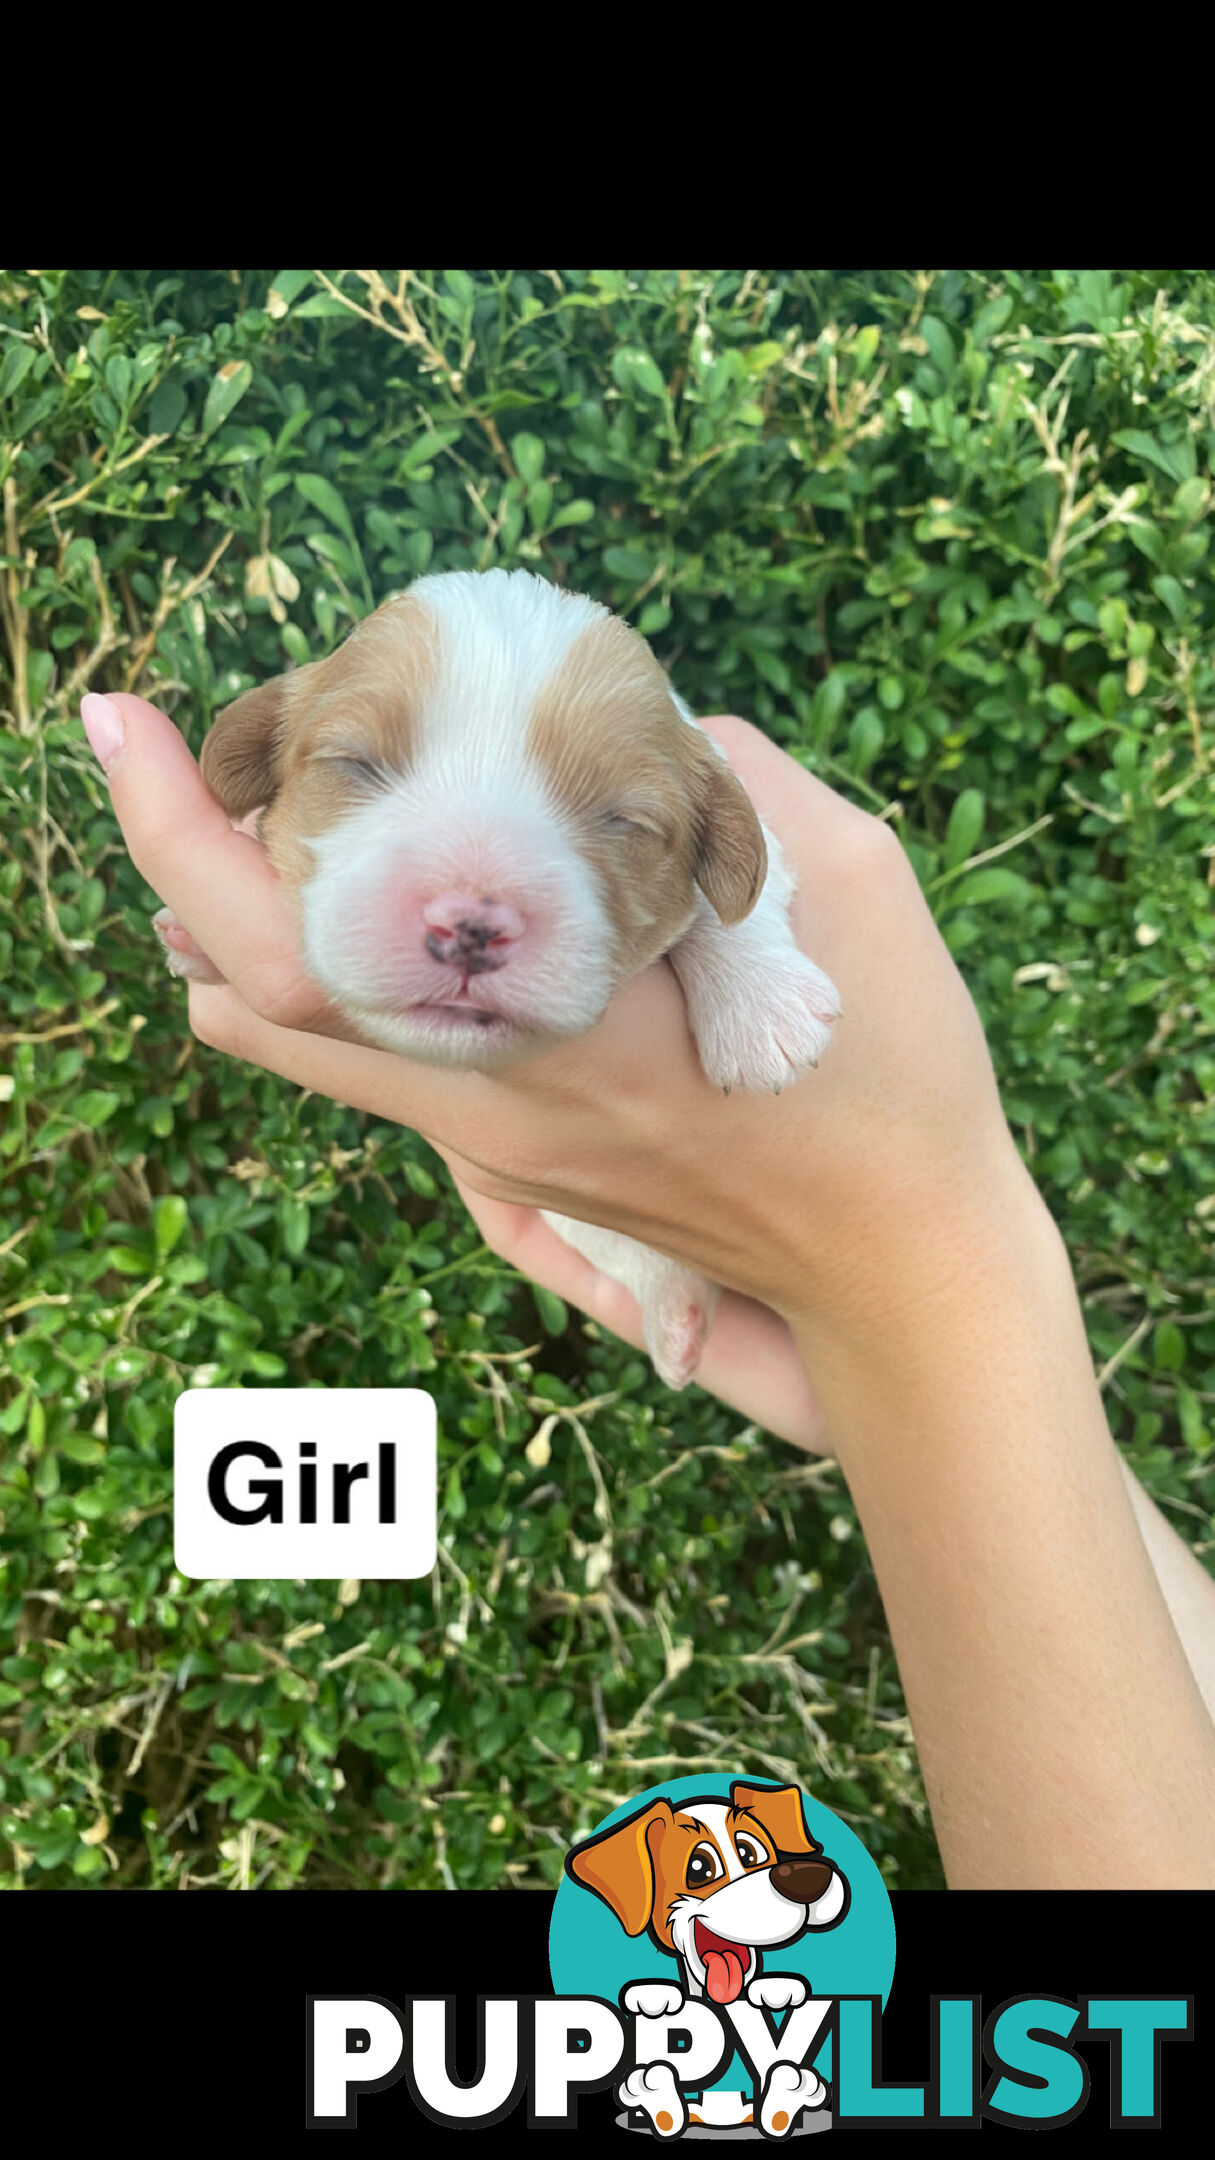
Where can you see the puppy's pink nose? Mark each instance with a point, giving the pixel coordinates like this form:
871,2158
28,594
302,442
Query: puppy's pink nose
469,931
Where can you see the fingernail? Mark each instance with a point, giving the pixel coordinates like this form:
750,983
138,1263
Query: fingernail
104,726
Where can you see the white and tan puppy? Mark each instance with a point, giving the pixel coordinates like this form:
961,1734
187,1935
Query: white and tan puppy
491,809
718,1885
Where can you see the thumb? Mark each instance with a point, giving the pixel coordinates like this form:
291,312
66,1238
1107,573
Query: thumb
219,883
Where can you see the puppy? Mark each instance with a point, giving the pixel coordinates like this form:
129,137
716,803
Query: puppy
717,1886
490,809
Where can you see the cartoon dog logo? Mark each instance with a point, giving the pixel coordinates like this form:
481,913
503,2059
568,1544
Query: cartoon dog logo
715,1884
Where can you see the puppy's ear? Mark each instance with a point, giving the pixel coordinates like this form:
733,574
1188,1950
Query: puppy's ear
778,1811
619,1866
731,861
241,758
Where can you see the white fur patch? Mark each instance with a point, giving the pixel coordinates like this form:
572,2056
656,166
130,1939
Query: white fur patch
652,2088
760,1011
790,2087
504,635
363,936
777,1991
653,1999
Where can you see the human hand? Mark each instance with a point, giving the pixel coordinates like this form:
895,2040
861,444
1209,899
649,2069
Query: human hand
879,1208
835,1199
750,1361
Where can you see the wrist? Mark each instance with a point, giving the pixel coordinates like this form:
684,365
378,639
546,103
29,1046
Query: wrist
974,1279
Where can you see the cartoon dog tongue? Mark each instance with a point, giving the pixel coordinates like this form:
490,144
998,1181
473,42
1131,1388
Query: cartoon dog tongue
723,1975
724,1965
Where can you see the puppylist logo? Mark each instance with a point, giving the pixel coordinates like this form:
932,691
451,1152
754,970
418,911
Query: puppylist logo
718,1909
721,1952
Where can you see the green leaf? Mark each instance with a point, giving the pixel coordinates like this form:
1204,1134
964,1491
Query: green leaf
554,1314
635,369
1173,596
426,446
79,1448
626,562
865,739
227,389
288,286
322,305
991,318
295,1220
45,1480
18,360
324,497
528,454
1168,1347
940,344
578,512
829,701
95,1106
965,827
167,406
992,883
1176,459
169,1218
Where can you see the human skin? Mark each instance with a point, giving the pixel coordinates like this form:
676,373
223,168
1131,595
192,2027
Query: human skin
876,1229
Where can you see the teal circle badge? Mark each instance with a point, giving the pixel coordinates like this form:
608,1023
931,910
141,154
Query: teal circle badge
611,1926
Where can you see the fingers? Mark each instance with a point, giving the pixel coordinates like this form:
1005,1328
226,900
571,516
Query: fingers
372,1080
217,882
750,1360
521,1236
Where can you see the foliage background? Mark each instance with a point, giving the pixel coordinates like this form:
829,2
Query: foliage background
943,535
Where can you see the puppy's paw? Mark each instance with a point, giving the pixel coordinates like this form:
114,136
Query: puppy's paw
184,957
777,1991
790,2087
653,1999
676,1318
651,2087
770,1031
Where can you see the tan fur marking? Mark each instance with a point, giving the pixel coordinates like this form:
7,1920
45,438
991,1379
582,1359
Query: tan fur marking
639,1868
620,1868
274,745
778,1814
607,713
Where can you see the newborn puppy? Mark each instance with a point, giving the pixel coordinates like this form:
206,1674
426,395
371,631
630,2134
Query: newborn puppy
490,809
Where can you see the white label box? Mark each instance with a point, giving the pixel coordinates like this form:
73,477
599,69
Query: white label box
275,1484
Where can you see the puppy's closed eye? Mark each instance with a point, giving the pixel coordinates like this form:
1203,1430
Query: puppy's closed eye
628,822
351,767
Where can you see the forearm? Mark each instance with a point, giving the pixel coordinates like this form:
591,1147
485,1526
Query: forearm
1063,1739
1189,1592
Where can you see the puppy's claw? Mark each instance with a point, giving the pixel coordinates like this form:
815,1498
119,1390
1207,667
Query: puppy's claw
185,959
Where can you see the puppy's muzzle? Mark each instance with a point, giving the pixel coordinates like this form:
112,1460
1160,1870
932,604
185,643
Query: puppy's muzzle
474,936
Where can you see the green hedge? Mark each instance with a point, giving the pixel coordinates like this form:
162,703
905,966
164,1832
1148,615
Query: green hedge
944,537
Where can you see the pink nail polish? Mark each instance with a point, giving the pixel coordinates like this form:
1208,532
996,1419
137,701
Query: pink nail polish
104,726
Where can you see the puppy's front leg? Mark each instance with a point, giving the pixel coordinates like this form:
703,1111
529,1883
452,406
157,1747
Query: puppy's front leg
760,1012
